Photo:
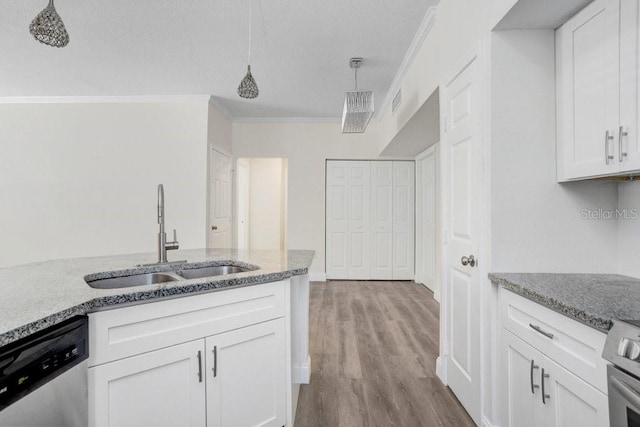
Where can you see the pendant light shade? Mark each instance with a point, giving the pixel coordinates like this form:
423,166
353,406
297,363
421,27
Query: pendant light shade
248,87
47,27
358,105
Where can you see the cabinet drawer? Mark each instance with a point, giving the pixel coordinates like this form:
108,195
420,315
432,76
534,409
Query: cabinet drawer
115,334
575,346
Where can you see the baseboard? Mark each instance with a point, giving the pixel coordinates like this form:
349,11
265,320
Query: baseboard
317,277
302,372
484,422
439,371
437,295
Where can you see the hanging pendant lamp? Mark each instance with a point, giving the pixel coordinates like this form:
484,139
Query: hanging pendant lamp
248,87
47,27
358,105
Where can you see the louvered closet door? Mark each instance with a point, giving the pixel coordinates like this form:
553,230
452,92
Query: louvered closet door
381,220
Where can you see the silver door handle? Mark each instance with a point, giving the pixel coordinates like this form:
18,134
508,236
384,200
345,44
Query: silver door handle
470,260
199,366
214,227
607,138
544,396
539,330
533,386
215,361
622,132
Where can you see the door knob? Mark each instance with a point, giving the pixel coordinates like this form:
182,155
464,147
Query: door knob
471,260
214,227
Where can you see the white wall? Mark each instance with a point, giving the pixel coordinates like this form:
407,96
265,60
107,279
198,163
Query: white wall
80,179
537,224
306,146
628,223
266,213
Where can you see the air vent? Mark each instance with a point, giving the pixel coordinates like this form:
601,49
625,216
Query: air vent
397,100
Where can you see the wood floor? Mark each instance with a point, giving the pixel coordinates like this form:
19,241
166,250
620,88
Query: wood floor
373,349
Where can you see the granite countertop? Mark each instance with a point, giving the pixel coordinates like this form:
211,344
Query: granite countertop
35,296
594,299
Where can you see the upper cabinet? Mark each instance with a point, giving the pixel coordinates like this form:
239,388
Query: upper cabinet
597,91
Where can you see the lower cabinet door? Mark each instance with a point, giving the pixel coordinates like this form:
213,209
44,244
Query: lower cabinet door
571,401
160,388
246,378
522,364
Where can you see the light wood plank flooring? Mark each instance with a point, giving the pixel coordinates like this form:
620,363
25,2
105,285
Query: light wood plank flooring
373,349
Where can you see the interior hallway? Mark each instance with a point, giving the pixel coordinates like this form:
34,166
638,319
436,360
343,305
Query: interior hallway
373,347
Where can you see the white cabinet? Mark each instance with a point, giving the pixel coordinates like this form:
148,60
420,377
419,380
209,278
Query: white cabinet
568,401
370,220
245,377
160,388
597,84
546,353
233,370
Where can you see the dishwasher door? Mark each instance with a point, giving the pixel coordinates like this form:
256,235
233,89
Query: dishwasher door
62,402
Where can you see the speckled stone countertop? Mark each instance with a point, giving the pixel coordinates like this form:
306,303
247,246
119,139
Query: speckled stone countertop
594,299
35,296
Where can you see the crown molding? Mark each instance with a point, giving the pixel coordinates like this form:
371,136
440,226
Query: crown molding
423,31
287,120
141,99
215,102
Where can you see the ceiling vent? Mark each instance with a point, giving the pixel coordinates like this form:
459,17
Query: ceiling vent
358,105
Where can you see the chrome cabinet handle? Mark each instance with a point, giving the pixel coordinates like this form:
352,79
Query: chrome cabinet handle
215,361
544,396
199,366
533,386
621,132
539,329
470,260
607,138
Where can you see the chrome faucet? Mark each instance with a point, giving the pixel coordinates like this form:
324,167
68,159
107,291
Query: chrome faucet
163,245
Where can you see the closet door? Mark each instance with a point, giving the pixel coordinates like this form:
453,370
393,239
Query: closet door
403,220
381,220
347,233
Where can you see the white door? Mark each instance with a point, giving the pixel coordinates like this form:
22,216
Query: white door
337,220
521,393
462,168
243,191
588,116
426,219
246,378
161,388
358,223
403,220
381,220
220,201
629,144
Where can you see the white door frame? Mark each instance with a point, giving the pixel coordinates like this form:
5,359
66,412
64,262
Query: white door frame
487,362
432,151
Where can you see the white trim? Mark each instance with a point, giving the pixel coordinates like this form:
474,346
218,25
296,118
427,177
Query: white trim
317,277
302,372
438,297
440,372
218,105
485,422
142,99
422,33
287,120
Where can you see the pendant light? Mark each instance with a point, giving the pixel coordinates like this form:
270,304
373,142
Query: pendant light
358,105
47,27
248,87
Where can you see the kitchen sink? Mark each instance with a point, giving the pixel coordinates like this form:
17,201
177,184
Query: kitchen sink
216,270
133,280
181,272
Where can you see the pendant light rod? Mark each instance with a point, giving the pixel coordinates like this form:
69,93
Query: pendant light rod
250,30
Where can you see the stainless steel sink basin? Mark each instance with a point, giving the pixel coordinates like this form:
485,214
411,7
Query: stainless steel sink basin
217,270
133,280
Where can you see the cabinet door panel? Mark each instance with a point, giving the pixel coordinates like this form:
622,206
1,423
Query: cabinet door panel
571,401
521,406
629,144
160,388
248,388
588,76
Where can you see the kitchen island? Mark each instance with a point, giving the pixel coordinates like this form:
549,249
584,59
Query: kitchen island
221,350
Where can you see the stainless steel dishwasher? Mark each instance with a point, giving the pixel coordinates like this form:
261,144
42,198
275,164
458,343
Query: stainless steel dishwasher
43,377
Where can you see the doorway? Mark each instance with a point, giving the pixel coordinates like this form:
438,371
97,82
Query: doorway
262,203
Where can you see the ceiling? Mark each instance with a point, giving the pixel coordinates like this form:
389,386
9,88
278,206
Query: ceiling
300,54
